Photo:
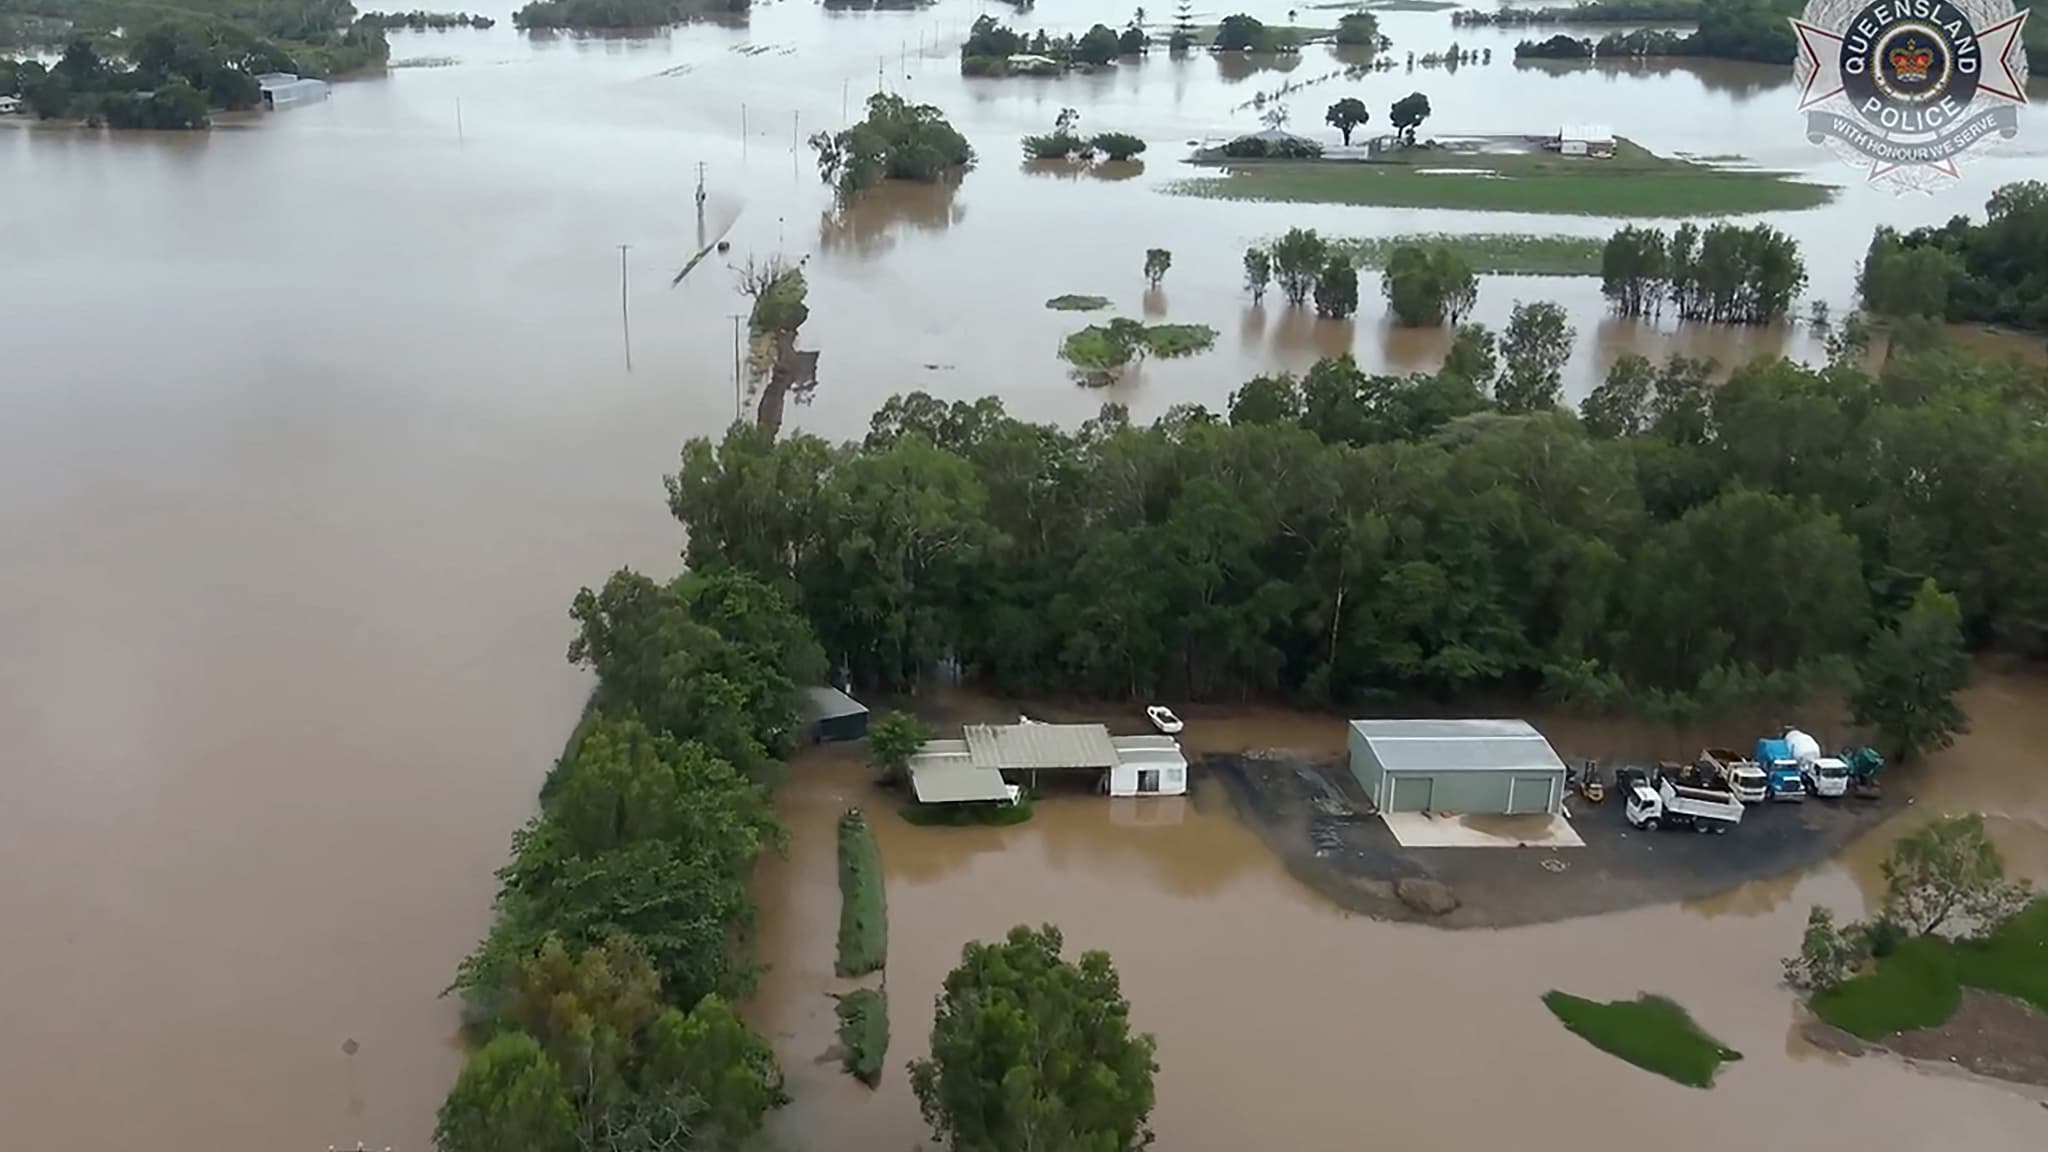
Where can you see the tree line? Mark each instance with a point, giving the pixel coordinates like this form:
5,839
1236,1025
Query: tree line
418,20
617,15
1341,536
144,64
1723,274
599,1006
1993,273
990,44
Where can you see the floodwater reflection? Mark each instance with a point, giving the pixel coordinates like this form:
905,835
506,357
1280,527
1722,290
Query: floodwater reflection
875,220
1235,67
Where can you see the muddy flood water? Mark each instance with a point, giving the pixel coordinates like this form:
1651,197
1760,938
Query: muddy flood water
311,426
1284,1022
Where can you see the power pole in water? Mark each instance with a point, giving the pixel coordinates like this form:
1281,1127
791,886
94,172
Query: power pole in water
458,119
625,317
360,1147
736,402
700,187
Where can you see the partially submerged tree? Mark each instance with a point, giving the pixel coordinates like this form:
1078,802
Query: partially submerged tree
1032,1051
1157,261
1258,272
1949,875
1426,287
893,738
1533,352
1910,677
1298,258
1337,288
897,140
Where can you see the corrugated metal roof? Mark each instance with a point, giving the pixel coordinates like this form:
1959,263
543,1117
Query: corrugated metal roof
1458,745
952,782
824,703
1023,746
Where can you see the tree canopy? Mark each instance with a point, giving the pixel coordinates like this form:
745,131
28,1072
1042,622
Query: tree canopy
1032,1051
601,996
1992,272
1342,534
897,140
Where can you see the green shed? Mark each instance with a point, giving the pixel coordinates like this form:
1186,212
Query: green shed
1499,767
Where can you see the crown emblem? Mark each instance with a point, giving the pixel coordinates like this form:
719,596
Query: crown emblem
1910,61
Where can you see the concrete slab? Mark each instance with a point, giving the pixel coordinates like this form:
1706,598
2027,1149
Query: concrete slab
1423,830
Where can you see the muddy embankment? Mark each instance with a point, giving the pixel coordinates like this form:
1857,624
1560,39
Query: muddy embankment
778,369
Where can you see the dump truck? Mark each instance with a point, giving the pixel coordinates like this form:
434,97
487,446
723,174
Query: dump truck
1745,778
1781,770
1670,805
1864,764
1826,777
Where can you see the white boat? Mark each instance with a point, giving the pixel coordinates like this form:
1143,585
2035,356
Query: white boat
1163,719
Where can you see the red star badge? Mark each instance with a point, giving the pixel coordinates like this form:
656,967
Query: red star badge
1999,42
1822,51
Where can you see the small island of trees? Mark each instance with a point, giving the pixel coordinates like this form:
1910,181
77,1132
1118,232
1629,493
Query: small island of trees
418,21
897,140
618,15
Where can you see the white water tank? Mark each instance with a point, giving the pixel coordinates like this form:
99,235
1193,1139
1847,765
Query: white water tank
1805,749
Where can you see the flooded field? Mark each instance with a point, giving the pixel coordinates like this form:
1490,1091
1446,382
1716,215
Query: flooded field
313,424
1285,1022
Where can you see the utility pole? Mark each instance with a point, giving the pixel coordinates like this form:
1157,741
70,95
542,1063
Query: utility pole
700,187
743,131
458,119
360,1147
736,402
625,317
845,86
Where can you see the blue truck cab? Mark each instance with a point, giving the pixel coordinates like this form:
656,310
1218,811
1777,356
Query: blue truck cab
1781,771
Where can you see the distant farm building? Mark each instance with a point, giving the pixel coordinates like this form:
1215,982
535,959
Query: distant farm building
977,766
284,90
1477,767
1585,140
832,715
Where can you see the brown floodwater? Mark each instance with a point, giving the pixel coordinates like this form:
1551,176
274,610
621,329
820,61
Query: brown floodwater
1285,1022
310,426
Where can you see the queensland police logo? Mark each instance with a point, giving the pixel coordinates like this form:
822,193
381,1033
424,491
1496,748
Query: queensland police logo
1904,87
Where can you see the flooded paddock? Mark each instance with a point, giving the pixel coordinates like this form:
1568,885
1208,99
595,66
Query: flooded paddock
312,425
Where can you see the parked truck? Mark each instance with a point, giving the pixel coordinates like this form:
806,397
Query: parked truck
1745,778
1864,765
1670,805
1827,777
1782,780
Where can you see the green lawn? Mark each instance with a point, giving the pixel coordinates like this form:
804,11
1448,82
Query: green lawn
1632,183
1076,303
1513,254
1920,984
1650,1032
863,915
864,1033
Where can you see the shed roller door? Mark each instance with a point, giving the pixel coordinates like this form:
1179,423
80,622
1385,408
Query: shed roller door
1410,794
1529,794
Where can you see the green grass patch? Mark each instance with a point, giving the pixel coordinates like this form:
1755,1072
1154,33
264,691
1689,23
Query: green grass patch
1509,254
1920,984
864,1033
1074,303
1168,341
967,815
863,914
1632,183
1651,1032
1914,987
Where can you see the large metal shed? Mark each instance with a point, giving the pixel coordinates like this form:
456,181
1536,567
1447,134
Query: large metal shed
1500,767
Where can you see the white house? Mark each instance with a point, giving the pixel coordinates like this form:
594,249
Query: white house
1585,140
975,767
283,90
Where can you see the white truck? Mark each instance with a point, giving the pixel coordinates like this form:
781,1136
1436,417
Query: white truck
1745,777
1671,805
1826,777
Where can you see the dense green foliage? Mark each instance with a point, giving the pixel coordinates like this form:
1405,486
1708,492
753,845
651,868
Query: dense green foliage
602,990
1350,535
893,738
1346,115
1337,288
1076,302
1651,1032
617,15
1948,875
863,907
1428,286
130,63
1355,29
1031,1050
990,44
864,1033
897,140
1487,253
1910,677
419,20
1725,274
1995,272
1157,262
1101,352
